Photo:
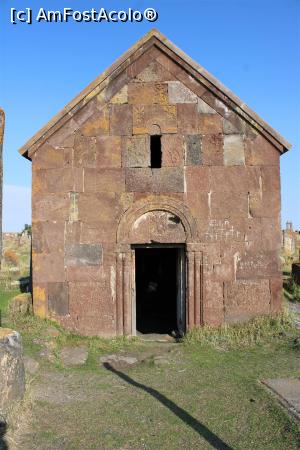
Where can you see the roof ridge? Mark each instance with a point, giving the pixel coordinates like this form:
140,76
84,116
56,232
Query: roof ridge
96,87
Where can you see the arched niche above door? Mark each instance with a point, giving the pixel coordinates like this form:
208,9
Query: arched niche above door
157,226
163,221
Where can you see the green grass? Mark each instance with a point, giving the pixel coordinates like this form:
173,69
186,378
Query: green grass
204,396
33,328
209,393
256,331
207,396
5,297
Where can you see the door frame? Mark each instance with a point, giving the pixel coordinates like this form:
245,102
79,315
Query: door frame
181,276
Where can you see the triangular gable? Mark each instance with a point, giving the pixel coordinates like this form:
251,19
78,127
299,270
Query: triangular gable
197,73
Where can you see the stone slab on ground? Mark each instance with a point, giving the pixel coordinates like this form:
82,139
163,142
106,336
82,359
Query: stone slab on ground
117,361
287,391
74,356
156,337
159,354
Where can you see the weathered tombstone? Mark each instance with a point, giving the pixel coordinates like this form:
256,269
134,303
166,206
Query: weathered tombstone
12,374
21,304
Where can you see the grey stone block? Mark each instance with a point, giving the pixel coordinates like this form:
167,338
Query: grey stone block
234,154
168,179
204,108
165,179
138,180
84,255
193,156
233,124
178,93
58,298
138,152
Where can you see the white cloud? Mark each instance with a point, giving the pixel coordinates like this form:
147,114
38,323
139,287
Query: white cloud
16,207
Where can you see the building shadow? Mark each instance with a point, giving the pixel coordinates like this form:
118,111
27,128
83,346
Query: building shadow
3,429
189,420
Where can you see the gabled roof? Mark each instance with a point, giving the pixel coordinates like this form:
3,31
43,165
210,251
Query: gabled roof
154,38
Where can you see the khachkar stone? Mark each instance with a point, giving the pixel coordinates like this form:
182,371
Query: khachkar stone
2,123
12,375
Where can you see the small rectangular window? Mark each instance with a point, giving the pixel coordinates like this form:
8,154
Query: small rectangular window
155,149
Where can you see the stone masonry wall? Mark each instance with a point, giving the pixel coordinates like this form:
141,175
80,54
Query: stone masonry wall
96,167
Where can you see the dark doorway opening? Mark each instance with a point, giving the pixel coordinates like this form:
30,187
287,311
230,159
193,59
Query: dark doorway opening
158,289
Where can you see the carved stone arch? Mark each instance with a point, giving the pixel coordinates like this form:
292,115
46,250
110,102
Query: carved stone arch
141,208
143,212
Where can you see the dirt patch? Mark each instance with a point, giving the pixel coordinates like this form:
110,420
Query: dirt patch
74,356
57,388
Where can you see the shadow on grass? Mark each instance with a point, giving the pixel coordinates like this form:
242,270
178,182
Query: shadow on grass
201,429
3,428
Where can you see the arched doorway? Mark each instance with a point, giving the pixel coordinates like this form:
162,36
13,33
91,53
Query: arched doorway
159,304
156,284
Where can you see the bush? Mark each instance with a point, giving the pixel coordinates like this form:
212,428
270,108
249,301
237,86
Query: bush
241,335
11,257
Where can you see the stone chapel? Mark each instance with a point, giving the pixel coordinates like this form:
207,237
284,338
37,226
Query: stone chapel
155,202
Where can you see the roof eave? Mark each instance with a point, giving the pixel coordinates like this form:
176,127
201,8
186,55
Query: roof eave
152,37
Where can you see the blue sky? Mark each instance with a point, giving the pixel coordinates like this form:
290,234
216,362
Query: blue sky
251,46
